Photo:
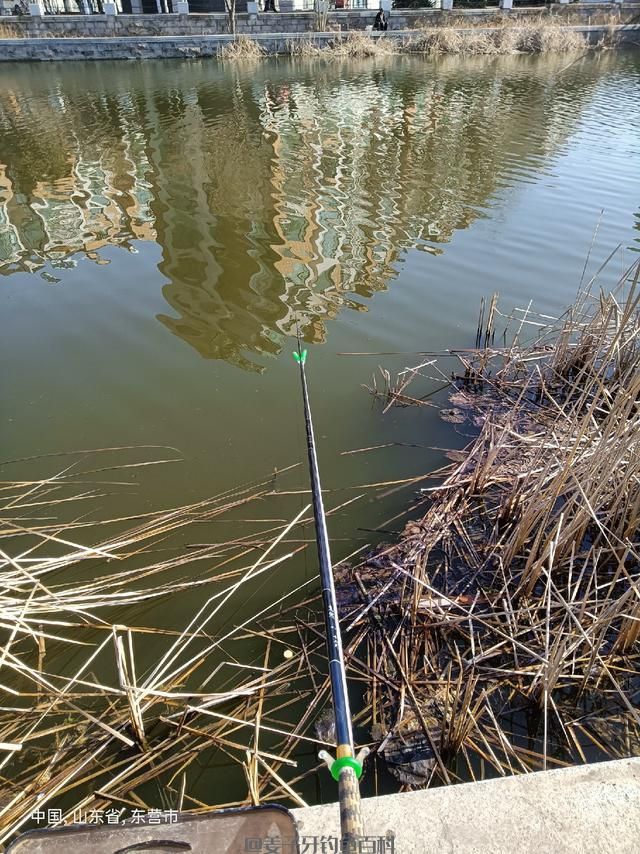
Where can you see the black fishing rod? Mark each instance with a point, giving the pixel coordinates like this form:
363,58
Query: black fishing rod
346,768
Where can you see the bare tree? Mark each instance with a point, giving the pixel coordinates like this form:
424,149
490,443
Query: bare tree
230,6
321,9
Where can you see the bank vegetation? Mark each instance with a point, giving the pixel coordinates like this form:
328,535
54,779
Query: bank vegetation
504,625
531,35
148,663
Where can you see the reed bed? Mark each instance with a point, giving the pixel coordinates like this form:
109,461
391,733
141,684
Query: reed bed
539,36
354,45
241,49
508,37
359,45
304,48
503,627
99,715
502,37
498,635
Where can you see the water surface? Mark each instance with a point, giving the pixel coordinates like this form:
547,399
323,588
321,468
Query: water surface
164,225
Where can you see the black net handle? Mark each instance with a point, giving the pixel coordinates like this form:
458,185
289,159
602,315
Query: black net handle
168,845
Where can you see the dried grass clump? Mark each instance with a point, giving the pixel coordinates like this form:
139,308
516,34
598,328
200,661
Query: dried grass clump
538,37
305,49
359,45
505,624
545,38
355,45
242,48
446,40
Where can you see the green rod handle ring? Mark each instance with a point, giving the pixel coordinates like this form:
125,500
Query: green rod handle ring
345,762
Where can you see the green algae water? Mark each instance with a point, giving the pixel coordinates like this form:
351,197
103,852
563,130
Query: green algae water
164,226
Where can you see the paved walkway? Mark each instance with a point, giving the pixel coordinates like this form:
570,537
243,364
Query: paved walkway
590,809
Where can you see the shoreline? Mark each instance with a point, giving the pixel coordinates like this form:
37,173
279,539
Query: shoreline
271,44
421,31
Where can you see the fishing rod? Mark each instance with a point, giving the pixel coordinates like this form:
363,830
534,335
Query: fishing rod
346,768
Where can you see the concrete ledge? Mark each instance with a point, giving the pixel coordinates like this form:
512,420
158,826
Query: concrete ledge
589,809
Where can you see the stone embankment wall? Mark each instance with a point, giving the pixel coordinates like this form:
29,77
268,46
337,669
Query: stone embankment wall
72,37
191,47
102,26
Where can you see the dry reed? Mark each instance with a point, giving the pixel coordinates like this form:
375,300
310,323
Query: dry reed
514,603
359,45
241,49
506,38
497,636
304,48
93,708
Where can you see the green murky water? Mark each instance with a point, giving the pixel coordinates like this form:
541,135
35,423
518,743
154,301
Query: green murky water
164,225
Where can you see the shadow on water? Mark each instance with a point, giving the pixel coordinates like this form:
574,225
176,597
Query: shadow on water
285,190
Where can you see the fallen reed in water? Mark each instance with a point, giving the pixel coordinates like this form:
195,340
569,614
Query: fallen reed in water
98,700
499,635
503,627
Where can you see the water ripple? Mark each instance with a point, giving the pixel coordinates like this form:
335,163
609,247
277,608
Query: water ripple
287,193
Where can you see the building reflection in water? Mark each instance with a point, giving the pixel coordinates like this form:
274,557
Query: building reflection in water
274,197
63,191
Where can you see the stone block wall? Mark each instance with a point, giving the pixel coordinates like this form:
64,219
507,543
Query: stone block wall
185,47
100,26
